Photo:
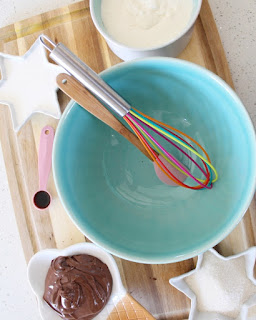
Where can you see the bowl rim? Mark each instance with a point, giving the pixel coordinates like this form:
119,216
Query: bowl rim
201,248
134,49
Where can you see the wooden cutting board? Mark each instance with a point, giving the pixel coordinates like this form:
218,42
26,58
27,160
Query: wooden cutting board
52,228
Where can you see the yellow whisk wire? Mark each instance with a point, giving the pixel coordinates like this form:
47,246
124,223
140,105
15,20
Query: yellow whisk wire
176,140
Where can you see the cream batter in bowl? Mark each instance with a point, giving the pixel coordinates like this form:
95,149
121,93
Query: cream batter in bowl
145,28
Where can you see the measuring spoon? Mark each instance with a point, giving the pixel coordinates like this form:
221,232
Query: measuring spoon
42,198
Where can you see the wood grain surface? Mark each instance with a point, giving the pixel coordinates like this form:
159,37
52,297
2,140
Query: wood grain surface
129,309
72,25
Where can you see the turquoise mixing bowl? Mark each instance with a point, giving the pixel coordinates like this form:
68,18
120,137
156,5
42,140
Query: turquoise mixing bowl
110,190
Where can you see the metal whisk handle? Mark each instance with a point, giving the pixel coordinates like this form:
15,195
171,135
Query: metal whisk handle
86,76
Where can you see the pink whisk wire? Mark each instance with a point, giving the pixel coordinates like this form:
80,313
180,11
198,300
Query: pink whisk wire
131,118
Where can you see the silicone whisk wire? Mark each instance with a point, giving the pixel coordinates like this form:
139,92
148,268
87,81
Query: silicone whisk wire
139,122
155,124
159,163
166,152
187,155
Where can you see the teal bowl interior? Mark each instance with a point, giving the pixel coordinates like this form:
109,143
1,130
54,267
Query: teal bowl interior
109,188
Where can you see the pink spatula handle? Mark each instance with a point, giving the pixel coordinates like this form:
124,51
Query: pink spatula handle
45,156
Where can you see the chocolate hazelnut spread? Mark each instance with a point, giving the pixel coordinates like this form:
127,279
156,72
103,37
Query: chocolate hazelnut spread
77,287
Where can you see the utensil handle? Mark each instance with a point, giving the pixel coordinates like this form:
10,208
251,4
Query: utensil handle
85,99
45,156
86,76
128,308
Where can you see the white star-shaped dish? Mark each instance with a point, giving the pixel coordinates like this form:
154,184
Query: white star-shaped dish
28,84
211,261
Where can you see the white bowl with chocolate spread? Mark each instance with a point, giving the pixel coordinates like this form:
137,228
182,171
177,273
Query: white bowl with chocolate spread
80,282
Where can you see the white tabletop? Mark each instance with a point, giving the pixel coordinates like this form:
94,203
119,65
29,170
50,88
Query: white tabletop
236,20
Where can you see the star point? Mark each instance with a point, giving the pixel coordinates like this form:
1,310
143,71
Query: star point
28,85
215,293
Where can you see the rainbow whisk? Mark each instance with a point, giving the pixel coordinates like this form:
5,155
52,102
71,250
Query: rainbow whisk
149,131
142,124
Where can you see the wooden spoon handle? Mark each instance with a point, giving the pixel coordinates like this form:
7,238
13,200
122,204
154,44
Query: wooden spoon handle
85,99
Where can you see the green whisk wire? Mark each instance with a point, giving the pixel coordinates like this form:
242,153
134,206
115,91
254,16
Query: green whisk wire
172,137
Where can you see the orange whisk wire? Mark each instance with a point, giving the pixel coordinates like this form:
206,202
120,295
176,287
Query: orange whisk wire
158,162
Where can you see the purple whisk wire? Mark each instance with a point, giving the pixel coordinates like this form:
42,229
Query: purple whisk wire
166,152
167,139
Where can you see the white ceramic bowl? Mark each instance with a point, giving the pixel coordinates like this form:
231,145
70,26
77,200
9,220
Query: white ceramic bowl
180,284
41,261
171,49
